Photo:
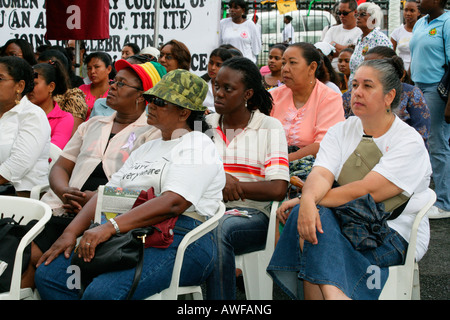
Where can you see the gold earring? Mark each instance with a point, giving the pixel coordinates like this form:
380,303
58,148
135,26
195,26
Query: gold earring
17,97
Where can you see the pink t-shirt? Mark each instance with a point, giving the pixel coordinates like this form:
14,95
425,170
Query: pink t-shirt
61,124
309,123
90,98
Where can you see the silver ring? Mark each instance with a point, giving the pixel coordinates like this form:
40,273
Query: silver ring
88,244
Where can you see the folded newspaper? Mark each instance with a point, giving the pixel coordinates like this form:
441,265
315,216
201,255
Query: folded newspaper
113,201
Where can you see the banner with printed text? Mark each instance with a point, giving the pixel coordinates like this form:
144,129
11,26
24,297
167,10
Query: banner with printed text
194,22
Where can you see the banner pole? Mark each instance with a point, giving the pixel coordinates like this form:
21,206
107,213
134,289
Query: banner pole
156,30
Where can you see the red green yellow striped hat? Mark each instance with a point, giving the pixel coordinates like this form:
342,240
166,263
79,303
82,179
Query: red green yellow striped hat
150,73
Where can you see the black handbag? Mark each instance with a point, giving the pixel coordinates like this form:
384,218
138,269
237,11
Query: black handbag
11,233
120,252
444,85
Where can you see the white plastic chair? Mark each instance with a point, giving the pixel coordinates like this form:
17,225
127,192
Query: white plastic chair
30,209
258,284
403,281
195,292
36,191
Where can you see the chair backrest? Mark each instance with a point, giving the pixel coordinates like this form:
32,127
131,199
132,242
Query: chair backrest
55,151
30,209
411,253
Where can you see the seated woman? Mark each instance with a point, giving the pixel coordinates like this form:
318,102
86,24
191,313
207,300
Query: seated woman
19,48
99,66
274,78
24,131
100,147
305,106
217,57
331,262
344,67
254,151
73,100
412,109
180,157
53,80
175,55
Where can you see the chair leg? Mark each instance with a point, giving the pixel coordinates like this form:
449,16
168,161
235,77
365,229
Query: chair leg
415,294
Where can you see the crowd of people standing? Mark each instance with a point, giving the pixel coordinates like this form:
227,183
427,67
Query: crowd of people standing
134,123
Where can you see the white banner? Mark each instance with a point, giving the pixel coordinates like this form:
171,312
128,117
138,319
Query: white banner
193,22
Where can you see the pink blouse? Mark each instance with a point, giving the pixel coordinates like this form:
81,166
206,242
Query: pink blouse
309,123
90,98
61,124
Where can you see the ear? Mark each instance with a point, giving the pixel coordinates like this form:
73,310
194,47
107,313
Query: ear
52,86
109,68
312,68
389,97
184,114
248,94
20,86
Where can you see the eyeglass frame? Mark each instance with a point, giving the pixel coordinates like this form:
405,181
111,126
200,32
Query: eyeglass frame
362,14
121,84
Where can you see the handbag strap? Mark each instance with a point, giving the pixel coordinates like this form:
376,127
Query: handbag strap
137,272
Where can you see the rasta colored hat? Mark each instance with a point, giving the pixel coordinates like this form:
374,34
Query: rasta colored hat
150,73
182,88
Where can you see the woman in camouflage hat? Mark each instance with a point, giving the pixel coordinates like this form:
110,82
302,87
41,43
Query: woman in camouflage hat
170,165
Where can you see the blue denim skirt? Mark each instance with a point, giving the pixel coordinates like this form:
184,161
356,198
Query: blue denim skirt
361,275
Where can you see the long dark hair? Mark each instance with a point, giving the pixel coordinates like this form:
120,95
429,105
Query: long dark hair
252,79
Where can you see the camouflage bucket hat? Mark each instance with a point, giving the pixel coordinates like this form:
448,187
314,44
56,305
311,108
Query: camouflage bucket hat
182,88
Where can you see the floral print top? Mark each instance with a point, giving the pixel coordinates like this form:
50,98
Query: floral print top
374,39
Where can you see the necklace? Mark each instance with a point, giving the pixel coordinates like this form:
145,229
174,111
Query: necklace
221,121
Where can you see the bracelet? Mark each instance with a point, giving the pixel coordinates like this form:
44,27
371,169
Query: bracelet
116,226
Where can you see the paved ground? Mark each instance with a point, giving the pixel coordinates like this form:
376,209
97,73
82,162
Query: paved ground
434,268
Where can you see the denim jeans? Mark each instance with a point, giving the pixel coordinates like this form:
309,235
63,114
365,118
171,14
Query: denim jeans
438,143
235,235
54,282
332,261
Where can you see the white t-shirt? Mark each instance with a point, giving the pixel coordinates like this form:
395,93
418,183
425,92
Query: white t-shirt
341,36
189,166
405,162
209,99
402,37
288,33
243,36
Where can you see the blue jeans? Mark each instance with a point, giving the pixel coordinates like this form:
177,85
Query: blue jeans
235,235
438,143
332,261
52,280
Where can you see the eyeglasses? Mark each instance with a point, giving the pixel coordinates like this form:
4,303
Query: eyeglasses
167,56
344,13
361,14
4,79
156,101
120,84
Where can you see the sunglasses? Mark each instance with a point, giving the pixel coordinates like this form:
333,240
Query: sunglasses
156,101
344,13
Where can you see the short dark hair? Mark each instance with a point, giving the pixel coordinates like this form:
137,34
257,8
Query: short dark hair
181,53
352,4
251,77
133,46
19,69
